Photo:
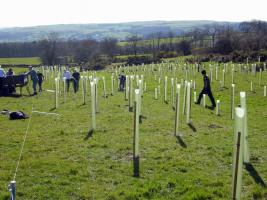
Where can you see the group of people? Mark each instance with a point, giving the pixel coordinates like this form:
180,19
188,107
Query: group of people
37,78
74,77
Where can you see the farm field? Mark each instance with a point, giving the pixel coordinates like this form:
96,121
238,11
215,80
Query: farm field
20,61
61,160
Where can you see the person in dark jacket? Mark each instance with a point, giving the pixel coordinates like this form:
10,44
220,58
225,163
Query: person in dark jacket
206,90
122,82
76,78
40,80
10,72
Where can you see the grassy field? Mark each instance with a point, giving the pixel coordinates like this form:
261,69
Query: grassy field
147,42
20,61
61,161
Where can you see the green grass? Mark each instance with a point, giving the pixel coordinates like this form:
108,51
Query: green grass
20,61
58,161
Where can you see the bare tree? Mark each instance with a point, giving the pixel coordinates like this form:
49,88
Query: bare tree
170,36
133,42
49,46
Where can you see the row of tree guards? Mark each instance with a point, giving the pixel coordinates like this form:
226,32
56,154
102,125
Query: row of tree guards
136,86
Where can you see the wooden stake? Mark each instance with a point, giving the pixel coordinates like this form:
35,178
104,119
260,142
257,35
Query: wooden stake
177,110
233,101
136,134
56,92
93,104
204,100
218,108
131,93
104,87
244,106
188,105
165,89
238,154
156,94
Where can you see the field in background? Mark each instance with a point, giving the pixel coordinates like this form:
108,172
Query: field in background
61,161
20,61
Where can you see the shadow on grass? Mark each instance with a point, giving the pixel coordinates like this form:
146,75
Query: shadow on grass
181,142
141,117
192,127
136,166
254,174
89,134
210,107
52,109
14,95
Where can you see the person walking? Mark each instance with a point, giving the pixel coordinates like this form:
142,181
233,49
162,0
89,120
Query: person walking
67,77
40,80
206,90
76,78
122,82
34,79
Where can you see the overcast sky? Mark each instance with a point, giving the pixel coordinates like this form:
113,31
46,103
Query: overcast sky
44,12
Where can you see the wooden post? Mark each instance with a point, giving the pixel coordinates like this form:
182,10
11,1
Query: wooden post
218,108
188,103
223,78
185,94
165,89
56,92
130,93
83,80
244,106
65,89
177,110
233,101
112,84
172,93
126,88
211,74
156,93
140,95
136,134
233,75
264,91
216,73
93,105
96,95
140,87
238,154
260,77
204,100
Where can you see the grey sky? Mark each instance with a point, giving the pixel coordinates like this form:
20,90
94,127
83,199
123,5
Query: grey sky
43,12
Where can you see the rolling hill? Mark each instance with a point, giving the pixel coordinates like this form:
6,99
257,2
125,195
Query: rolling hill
100,31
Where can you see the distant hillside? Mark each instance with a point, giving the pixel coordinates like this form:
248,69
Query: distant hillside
100,31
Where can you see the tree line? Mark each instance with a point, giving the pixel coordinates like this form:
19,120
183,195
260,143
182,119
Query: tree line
248,37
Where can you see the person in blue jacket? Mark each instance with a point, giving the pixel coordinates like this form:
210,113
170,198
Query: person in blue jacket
34,78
